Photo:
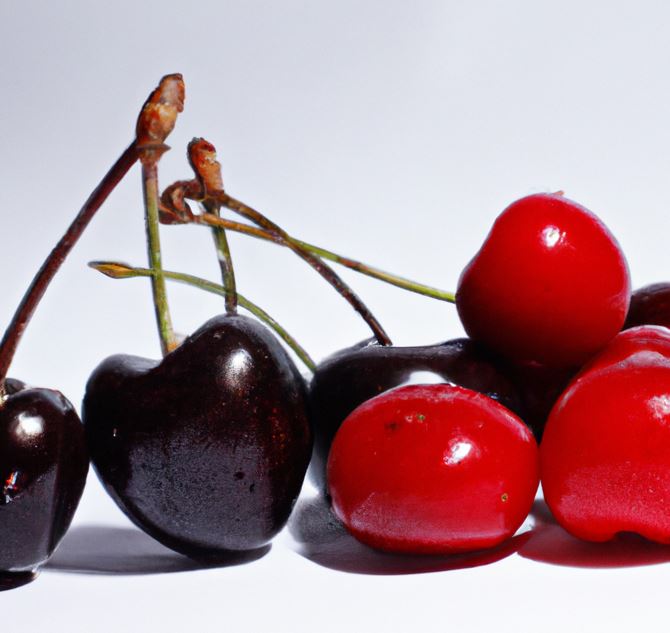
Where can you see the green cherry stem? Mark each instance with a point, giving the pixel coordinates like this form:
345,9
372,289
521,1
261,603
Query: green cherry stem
117,270
225,259
156,120
210,220
53,262
322,268
161,307
202,157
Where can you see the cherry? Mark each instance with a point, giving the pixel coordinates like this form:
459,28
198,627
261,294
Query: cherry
207,449
43,454
353,375
550,284
606,447
650,305
432,469
43,467
644,342
538,387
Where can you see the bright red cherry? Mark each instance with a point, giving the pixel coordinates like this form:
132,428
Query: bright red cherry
432,469
605,455
550,284
642,342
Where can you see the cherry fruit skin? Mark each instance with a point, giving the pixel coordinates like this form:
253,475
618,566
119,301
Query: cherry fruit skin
538,387
605,455
650,305
550,284
348,378
43,468
206,450
644,343
432,469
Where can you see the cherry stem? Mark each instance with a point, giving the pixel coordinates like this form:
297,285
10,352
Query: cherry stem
117,270
210,220
53,262
161,307
323,269
225,259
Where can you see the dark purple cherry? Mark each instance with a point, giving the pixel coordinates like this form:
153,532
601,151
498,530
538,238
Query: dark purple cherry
539,387
43,467
207,449
353,375
649,305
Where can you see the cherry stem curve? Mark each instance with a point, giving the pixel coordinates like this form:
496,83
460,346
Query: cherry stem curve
159,291
118,270
322,268
210,220
55,259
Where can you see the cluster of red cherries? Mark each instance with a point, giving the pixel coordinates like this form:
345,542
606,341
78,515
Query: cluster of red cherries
445,468
206,450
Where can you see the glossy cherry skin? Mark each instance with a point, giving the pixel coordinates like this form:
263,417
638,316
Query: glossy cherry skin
206,450
644,342
650,305
432,469
353,375
550,284
43,468
605,455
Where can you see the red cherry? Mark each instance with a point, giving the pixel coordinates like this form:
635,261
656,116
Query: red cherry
642,342
432,469
549,285
605,455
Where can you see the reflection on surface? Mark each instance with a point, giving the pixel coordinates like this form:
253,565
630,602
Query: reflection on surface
95,549
14,580
550,543
320,537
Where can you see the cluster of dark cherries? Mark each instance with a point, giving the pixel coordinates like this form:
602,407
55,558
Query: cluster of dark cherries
207,449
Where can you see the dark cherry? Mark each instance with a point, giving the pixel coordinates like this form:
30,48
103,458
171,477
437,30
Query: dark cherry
649,305
539,388
207,449
353,375
43,467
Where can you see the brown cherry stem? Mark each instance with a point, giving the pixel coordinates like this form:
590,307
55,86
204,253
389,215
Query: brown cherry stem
322,268
53,262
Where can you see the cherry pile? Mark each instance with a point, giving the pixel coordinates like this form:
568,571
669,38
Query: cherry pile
206,449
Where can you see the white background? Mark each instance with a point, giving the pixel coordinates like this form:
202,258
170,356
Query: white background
391,131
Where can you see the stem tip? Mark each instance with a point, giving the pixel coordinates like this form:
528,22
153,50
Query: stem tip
159,113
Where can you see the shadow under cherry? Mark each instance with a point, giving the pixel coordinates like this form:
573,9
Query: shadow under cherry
96,549
321,538
551,544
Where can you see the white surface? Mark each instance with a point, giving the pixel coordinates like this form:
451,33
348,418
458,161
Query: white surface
387,130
